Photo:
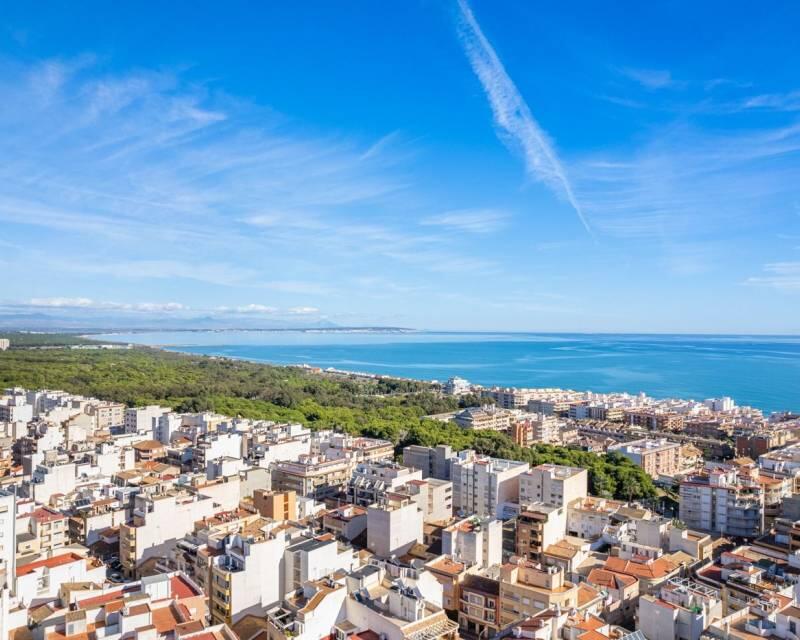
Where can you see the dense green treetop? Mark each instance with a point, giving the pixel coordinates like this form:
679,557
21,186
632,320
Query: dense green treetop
385,408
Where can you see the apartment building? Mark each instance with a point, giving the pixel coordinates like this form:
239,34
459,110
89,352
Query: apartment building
143,420
683,609
381,606
488,418
541,429
479,606
553,484
158,521
248,576
106,414
456,386
335,446
474,542
8,517
312,476
434,497
538,526
527,588
657,457
306,614
313,558
434,462
214,446
509,398
723,501
589,517
370,481
42,579
47,528
161,607
277,505
655,419
346,522
483,485
394,527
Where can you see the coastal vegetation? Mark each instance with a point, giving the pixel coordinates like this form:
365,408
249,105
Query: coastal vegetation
379,407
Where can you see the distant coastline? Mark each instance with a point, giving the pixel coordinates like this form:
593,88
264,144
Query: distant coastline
760,371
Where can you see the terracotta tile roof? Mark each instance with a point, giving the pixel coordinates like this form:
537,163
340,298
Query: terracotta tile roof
586,594
651,570
590,623
610,579
165,619
50,563
181,588
43,514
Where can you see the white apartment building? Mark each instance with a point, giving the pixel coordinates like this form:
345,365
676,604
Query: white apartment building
158,521
8,516
456,386
484,485
476,542
488,418
658,457
214,446
42,579
249,576
15,409
724,501
553,484
370,481
314,559
168,424
434,462
509,398
394,527
434,497
144,420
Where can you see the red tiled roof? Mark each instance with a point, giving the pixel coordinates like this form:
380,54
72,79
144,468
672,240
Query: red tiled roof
181,588
46,515
648,570
50,563
609,579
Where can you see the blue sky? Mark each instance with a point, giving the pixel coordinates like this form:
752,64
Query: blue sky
491,165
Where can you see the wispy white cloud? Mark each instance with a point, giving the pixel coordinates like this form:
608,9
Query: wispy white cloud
303,311
512,116
649,78
789,101
61,302
469,220
685,182
257,309
88,303
782,276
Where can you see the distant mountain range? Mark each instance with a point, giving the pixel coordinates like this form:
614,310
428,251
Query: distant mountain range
89,321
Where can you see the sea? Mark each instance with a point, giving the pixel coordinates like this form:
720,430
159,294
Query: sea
760,371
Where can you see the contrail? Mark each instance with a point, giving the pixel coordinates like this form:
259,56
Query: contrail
512,116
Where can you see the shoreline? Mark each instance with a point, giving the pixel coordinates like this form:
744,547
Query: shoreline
477,387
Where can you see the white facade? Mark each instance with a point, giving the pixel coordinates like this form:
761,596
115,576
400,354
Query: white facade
553,484
484,485
394,528
474,541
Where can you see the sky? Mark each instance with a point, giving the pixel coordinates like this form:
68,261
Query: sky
437,165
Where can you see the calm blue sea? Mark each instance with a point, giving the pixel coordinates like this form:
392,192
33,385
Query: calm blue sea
762,371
